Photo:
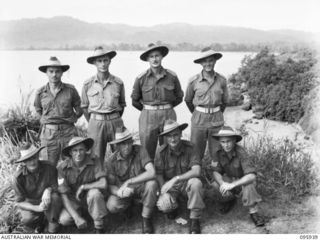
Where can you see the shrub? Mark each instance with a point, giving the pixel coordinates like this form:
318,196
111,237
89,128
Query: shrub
278,82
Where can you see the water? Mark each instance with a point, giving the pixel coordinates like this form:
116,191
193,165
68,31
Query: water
19,70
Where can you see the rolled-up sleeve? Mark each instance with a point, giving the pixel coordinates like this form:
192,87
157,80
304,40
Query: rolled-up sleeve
122,98
84,97
37,103
178,92
247,166
19,190
194,158
99,171
136,92
189,92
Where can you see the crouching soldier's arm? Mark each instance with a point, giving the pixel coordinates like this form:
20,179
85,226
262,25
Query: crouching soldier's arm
147,175
101,184
195,171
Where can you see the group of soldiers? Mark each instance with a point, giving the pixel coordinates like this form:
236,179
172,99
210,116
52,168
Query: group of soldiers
70,176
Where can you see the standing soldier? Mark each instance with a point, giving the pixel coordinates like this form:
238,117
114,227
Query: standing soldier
178,169
206,98
131,176
36,189
103,101
58,105
155,93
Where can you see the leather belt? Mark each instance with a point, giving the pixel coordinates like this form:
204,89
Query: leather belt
57,126
208,110
107,116
157,107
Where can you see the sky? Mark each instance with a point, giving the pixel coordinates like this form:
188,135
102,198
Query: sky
259,14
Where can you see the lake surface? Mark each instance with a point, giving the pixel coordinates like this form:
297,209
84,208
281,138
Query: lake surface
19,71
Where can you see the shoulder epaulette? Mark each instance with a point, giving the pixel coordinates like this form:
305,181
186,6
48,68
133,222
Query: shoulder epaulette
171,72
40,90
62,165
88,81
142,74
193,78
118,80
220,76
70,86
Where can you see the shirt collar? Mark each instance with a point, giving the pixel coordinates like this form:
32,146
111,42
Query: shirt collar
47,88
203,78
180,149
162,72
109,80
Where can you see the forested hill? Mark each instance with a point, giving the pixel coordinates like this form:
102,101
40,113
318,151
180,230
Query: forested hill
66,32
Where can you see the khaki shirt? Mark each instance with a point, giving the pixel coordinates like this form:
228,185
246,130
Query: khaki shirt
151,90
237,166
197,91
64,108
71,177
103,98
170,164
120,170
31,186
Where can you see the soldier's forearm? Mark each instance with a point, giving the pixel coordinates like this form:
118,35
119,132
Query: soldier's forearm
28,206
218,178
190,106
100,184
137,104
113,189
194,172
247,179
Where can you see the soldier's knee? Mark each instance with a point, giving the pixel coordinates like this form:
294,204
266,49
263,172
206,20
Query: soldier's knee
55,198
65,218
113,205
195,184
94,194
151,185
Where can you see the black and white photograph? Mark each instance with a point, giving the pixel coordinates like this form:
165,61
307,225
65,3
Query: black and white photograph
159,117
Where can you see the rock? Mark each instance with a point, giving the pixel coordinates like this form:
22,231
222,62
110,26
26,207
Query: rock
257,108
307,137
258,115
246,106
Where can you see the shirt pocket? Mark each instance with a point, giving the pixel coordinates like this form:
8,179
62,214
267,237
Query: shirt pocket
201,96
170,170
168,92
147,93
93,96
114,98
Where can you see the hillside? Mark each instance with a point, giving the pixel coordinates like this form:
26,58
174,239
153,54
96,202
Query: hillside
59,32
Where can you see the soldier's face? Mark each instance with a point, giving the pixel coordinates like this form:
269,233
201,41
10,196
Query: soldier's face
174,138
102,63
125,148
155,59
54,74
32,163
227,143
78,153
208,64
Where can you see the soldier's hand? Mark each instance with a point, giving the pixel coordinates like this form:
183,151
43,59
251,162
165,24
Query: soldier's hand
124,192
42,207
46,197
226,187
79,192
81,223
168,185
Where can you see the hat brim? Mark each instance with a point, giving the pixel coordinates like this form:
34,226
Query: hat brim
217,136
181,127
88,142
110,54
64,68
25,158
121,140
163,49
216,56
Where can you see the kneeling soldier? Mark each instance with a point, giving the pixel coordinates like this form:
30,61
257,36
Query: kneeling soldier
234,174
178,169
82,181
129,176
36,188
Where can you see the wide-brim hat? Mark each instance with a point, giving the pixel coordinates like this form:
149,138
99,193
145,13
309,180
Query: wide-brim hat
205,53
171,125
152,47
88,142
227,131
53,62
99,52
26,154
122,134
